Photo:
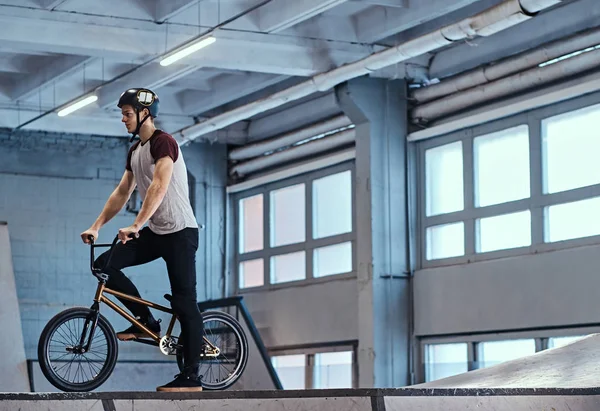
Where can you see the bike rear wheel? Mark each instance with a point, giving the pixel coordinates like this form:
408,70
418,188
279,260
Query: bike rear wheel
224,332
59,350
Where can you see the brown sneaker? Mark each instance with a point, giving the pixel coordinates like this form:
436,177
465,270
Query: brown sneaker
133,332
184,382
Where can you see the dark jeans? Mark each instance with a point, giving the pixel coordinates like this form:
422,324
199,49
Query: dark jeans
179,252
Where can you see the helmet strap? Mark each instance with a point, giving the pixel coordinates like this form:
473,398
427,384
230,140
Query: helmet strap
139,124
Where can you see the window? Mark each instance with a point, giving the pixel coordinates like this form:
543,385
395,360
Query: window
332,205
445,360
572,220
444,179
291,370
504,231
496,352
316,367
520,185
333,259
557,342
288,267
333,370
303,231
251,224
570,147
445,241
251,273
501,166
288,216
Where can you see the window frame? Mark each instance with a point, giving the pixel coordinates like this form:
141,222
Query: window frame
310,351
540,336
535,203
308,246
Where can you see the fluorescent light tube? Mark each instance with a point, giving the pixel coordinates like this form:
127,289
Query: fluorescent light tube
184,52
77,105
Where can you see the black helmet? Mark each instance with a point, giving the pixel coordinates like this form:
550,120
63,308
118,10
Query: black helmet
139,99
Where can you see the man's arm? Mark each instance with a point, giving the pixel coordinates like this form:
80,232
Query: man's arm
117,200
161,178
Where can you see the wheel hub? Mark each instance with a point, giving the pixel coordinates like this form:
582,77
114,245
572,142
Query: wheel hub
168,345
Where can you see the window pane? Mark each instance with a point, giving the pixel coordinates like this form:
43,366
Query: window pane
332,205
570,147
291,370
445,360
333,259
501,163
572,220
288,267
333,370
504,231
251,224
562,341
252,273
496,352
444,241
287,216
444,179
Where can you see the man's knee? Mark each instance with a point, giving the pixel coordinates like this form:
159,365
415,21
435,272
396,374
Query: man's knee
185,305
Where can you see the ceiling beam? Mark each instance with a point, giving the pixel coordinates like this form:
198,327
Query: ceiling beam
233,50
50,4
279,15
62,67
552,25
165,9
226,90
376,23
152,76
385,3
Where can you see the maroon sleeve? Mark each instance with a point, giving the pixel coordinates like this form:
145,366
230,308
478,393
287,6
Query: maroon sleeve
163,145
131,150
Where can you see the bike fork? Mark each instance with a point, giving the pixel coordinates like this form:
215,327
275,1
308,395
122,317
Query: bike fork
90,325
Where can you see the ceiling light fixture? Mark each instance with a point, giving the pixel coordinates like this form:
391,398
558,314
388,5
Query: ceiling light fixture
187,50
77,105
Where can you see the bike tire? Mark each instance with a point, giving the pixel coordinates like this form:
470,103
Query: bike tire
230,321
44,345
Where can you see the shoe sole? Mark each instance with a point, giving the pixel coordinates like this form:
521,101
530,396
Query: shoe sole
180,389
129,337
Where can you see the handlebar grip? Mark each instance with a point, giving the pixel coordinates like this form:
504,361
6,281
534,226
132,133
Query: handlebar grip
91,238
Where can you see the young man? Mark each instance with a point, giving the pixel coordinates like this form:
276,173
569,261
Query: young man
156,166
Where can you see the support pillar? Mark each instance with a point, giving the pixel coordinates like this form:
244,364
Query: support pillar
378,109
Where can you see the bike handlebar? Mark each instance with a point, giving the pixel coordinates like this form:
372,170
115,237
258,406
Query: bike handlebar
93,246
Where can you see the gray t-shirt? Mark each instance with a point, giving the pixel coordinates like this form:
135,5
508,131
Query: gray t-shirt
175,212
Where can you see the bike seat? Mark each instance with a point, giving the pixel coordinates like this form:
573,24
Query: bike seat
168,297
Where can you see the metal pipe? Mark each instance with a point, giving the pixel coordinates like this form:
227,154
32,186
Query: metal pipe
500,17
507,67
507,86
258,149
327,143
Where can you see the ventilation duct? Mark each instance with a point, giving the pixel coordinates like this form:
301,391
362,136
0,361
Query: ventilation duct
507,86
294,137
507,67
337,140
500,17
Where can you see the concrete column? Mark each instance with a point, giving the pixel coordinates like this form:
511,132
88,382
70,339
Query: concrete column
14,375
378,109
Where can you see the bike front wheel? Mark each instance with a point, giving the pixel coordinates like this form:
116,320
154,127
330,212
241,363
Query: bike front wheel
221,371
64,363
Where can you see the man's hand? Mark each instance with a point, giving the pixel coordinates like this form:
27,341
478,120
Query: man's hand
125,233
89,232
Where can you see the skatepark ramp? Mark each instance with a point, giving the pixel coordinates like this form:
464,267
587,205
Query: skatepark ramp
565,378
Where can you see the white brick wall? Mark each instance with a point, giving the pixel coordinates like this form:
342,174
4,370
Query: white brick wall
50,194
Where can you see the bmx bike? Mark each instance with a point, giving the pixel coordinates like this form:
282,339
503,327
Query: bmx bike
78,347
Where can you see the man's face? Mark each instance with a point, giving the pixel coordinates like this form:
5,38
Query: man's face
129,118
